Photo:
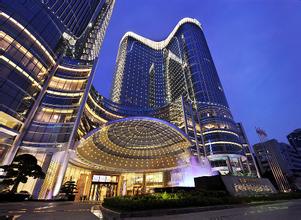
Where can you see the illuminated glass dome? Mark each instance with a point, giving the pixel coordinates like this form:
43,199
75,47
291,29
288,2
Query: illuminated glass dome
135,144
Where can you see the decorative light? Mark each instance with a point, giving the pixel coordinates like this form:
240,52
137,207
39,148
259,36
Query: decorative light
28,34
15,66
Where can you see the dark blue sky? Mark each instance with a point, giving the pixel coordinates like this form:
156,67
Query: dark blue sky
255,44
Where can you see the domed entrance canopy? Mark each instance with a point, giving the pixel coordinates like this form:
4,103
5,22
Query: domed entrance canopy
135,144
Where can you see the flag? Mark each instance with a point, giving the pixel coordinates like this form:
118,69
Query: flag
261,132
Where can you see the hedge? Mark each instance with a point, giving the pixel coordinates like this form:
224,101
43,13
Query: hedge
185,199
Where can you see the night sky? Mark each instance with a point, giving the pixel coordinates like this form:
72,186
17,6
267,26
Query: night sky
255,44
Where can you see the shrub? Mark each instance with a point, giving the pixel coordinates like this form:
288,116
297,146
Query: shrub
185,199
167,200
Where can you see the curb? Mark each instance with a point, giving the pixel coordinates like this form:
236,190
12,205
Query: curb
109,214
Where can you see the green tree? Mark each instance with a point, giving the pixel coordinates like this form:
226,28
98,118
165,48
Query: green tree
69,189
23,166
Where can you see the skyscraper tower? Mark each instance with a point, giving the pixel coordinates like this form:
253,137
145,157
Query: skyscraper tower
151,75
48,49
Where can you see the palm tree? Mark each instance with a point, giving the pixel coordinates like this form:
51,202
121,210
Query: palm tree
23,166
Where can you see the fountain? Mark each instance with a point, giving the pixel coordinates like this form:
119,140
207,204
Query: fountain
184,177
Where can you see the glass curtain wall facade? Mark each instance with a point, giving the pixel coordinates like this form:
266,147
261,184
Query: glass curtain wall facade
48,106
294,138
27,57
273,164
152,74
47,53
250,163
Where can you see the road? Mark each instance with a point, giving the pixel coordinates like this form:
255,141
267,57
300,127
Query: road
46,211
285,210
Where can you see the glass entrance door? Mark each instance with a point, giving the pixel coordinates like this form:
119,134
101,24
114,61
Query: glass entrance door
99,191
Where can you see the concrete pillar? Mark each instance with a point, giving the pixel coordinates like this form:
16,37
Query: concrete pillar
63,160
248,165
12,151
166,178
120,186
143,189
229,164
240,164
40,182
54,175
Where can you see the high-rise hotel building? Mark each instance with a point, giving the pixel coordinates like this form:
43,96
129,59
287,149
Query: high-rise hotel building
47,53
179,71
167,104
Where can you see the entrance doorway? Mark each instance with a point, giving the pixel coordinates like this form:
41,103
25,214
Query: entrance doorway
100,191
137,190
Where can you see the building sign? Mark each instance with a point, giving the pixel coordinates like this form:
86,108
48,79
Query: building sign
247,186
104,179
